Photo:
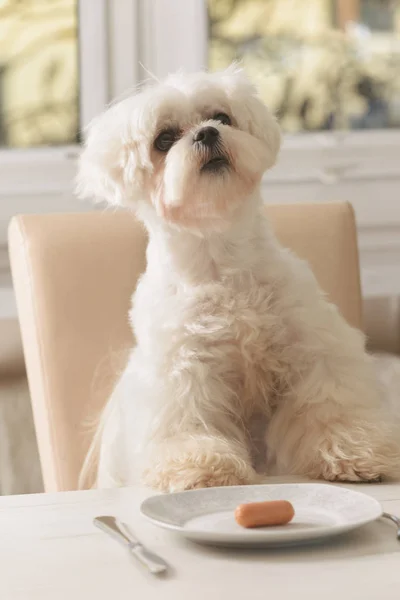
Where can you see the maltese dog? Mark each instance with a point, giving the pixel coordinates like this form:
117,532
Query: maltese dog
232,331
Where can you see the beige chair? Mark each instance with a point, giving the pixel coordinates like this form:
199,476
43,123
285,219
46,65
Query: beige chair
73,278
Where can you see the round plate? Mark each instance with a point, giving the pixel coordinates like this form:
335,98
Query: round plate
207,515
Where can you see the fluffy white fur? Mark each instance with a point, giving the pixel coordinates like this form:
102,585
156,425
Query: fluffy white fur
231,329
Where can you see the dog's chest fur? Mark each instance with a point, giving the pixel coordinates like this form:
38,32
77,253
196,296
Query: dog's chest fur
237,320
233,328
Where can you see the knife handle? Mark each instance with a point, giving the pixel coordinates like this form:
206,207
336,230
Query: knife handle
121,533
151,561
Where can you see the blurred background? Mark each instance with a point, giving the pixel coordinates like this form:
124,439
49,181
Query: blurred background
329,69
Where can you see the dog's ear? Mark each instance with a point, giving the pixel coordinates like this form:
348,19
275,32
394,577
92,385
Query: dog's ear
264,125
256,116
112,163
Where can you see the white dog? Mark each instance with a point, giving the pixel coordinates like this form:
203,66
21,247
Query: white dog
231,329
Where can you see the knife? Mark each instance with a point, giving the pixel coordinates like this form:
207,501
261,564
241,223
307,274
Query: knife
120,532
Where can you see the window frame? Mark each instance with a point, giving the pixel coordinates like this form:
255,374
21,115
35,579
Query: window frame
105,28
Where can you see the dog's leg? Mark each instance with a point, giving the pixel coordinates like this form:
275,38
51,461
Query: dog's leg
332,424
197,460
198,438
331,421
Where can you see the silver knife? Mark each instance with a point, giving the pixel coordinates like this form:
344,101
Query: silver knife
121,533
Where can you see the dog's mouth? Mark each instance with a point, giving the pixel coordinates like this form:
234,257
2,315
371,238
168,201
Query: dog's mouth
215,164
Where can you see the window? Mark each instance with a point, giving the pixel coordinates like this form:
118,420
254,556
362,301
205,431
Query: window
39,103
321,65
53,71
330,69
55,57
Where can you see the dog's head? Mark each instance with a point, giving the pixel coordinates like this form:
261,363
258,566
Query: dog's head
190,150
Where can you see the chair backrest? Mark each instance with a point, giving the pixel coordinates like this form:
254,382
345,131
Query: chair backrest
73,277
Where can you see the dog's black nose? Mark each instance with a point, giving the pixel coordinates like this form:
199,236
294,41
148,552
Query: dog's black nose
207,136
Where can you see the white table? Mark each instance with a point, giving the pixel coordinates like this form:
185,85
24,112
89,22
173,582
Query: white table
49,550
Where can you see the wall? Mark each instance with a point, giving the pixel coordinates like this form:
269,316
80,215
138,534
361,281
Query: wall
382,324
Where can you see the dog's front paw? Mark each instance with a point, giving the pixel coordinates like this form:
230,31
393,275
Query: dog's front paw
188,473
361,451
349,471
226,473
356,464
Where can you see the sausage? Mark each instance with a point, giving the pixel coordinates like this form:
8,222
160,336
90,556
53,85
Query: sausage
261,514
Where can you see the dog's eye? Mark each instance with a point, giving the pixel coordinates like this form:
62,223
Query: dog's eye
222,118
165,140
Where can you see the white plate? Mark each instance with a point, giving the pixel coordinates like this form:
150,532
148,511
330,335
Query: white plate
207,515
